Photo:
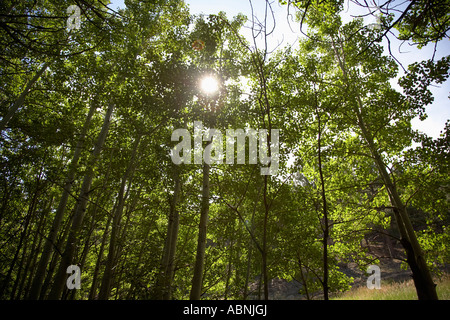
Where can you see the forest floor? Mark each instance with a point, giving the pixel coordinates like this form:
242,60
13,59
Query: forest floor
403,290
396,283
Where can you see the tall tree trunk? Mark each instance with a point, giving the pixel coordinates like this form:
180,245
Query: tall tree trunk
87,242
108,274
92,291
325,227
164,286
80,208
135,278
28,270
264,241
247,272
197,280
252,242
423,281
304,279
59,214
38,240
123,231
28,218
56,256
20,100
425,287
229,267
170,269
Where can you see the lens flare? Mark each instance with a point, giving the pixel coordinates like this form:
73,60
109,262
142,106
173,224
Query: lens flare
209,85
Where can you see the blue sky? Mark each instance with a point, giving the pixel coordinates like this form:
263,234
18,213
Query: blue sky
438,112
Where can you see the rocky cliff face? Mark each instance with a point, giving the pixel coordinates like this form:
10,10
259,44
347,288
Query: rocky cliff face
279,289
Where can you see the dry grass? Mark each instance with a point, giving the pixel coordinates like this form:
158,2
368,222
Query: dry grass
395,291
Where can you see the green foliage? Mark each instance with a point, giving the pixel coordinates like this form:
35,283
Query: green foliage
426,21
141,59
419,77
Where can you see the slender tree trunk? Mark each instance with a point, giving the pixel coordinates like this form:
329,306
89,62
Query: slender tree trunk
135,278
130,209
425,287
93,289
259,285
87,242
56,256
247,273
173,243
92,292
108,274
264,242
325,227
164,286
28,218
250,246
238,256
28,270
80,208
229,268
197,280
304,281
24,265
20,100
35,250
20,272
59,214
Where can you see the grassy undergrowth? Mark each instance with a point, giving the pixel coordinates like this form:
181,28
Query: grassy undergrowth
395,291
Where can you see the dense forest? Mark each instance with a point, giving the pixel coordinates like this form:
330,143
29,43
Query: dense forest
149,153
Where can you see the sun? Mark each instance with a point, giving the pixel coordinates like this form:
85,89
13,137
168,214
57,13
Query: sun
209,85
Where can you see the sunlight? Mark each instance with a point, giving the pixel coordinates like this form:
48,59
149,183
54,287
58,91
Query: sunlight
209,85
